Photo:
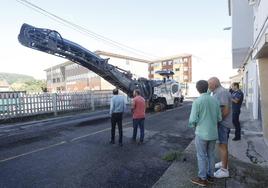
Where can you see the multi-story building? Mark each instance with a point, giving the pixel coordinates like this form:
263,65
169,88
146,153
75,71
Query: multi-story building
56,77
181,65
4,86
70,76
250,54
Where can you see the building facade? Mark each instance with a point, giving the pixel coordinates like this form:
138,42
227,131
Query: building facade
70,76
4,86
250,54
181,65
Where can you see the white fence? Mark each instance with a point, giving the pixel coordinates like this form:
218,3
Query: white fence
14,105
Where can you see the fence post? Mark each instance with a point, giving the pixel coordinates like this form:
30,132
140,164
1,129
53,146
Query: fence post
92,100
54,103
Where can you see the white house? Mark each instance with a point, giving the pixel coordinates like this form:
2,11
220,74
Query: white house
250,54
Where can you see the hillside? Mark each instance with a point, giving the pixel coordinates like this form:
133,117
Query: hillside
15,78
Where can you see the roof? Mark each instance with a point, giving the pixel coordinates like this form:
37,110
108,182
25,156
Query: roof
59,65
109,54
172,57
4,83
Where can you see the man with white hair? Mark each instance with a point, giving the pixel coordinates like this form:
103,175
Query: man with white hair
224,98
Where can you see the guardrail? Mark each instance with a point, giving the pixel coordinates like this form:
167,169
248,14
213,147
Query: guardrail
13,105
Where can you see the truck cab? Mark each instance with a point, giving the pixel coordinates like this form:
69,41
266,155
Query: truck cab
168,93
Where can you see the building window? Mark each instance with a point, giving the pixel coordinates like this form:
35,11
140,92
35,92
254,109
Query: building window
170,62
156,64
164,63
177,69
185,60
177,61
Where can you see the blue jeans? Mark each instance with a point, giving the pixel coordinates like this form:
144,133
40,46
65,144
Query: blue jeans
223,133
138,123
236,124
205,150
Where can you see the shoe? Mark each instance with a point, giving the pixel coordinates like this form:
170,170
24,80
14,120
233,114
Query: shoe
236,139
111,142
199,181
210,179
218,165
221,173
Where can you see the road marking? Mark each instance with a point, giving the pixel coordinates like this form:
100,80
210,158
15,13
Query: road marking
78,138
127,123
90,134
34,151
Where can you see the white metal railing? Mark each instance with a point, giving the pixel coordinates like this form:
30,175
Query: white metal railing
23,104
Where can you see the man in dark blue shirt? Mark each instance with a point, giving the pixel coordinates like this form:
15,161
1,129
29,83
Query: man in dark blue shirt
237,100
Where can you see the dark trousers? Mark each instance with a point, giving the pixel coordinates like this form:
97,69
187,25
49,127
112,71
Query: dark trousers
237,124
117,119
138,123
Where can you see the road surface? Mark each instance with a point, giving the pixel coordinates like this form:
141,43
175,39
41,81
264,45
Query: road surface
80,155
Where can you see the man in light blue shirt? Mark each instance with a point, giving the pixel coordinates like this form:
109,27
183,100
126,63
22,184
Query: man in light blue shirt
205,115
117,108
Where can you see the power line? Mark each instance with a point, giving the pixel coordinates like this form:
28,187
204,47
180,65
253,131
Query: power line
83,29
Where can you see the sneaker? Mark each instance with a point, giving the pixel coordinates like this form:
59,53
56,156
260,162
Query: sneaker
218,165
199,181
221,173
210,179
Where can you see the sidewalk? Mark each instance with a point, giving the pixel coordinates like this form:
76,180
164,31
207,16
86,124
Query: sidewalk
248,161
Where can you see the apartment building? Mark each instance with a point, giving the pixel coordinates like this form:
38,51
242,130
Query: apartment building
250,54
181,65
70,76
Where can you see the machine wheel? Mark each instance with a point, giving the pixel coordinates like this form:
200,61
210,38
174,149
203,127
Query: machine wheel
181,99
159,107
176,103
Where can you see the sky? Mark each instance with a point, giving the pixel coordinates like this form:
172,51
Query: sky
157,27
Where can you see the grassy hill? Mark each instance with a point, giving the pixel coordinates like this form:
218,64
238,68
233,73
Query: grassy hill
15,78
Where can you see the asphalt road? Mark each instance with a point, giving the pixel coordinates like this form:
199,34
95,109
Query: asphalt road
81,156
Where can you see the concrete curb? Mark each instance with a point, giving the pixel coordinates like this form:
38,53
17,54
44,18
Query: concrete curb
180,172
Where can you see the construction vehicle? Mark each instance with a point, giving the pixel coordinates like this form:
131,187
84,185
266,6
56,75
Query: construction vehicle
158,93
